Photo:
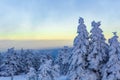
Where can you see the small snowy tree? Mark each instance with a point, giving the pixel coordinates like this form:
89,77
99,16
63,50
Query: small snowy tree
45,70
48,71
55,71
89,75
21,61
31,74
28,60
63,59
10,64
111,71
36,61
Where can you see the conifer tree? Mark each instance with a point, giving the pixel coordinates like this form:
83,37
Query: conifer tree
111,71
63,59
78,64
10,66
48,71
28,60
98,55
31,75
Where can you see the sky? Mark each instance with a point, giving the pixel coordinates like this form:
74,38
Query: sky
55,19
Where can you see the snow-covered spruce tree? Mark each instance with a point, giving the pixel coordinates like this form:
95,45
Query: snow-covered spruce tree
10,65
111,71
31,75
78,63
28,60
63,59
22,62
55,71
36,62
47,71
98,48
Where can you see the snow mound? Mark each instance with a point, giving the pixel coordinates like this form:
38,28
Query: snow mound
62,78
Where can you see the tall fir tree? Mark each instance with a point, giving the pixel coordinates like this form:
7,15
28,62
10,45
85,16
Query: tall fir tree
98,49
111,71
78,63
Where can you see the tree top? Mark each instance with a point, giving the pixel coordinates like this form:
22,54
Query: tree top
81,20
114,33
95,24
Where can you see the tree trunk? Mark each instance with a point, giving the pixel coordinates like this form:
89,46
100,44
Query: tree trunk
12,76
37,76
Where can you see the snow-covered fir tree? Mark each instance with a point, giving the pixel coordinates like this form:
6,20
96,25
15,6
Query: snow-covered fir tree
31,75
98,48
111,71
37,60
63,59
10,65
78,63
48,71
55,71
45,70
28,60
22,62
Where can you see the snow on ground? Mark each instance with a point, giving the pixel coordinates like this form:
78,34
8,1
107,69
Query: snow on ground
23,77
20,77
62,78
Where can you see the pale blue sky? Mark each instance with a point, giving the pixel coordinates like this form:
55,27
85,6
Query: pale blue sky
55,19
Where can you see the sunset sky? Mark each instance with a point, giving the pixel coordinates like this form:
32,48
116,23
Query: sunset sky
55,19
